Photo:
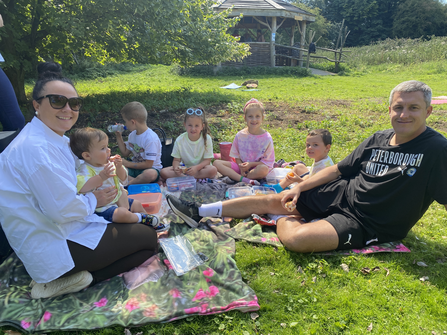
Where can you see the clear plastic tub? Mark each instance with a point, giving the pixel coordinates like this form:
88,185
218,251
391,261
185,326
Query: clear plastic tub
236,192
181,183
275,176
151,201
259,190
144,188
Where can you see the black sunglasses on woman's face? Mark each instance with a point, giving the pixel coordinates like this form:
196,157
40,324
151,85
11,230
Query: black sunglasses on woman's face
59,101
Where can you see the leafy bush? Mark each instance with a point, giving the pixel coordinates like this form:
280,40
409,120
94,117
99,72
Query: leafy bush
87,69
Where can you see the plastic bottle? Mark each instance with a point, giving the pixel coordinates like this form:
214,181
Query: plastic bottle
116,127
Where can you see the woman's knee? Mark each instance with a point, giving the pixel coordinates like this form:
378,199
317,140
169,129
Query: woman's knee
146,237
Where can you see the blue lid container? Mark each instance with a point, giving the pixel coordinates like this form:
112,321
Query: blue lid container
144,188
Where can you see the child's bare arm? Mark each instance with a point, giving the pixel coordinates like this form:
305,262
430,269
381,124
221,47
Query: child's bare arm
119,139
96,181
92,184
147,164
176,166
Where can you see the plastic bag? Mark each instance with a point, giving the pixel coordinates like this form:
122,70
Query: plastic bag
151,270
181,254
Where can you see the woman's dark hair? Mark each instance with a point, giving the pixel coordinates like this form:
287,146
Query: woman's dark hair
47,72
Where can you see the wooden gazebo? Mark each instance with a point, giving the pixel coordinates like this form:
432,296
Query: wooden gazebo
270,14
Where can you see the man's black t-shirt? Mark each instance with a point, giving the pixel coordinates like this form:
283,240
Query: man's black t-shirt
389,188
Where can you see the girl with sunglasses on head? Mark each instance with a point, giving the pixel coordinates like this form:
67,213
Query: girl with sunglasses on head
63,245
194,148
252,149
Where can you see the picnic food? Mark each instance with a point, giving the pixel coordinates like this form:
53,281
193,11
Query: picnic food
291,174
290,206
184,169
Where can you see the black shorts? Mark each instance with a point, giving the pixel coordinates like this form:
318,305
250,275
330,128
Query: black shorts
328,202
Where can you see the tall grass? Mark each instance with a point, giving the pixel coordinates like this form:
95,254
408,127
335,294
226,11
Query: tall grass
389,52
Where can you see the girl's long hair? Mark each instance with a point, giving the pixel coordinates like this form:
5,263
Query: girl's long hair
206,128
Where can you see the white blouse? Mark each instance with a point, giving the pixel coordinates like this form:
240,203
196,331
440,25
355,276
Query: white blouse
39,206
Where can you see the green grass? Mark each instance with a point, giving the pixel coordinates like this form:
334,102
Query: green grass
322,298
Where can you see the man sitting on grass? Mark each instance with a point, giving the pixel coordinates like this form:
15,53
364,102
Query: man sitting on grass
375,195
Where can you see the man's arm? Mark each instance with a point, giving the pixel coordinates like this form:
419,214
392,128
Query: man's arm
323,177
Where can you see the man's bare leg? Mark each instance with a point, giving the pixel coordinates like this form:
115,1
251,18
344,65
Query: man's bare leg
308,237
242,207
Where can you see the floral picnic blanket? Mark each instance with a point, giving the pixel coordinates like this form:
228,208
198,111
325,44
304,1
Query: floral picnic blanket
214,287
250,231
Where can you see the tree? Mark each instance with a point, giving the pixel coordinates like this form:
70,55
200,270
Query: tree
321,25
368,20
416,18
146,31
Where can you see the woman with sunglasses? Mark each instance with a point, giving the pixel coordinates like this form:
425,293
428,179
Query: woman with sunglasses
64,246
194,148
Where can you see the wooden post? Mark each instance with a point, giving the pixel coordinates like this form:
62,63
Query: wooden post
272,42
303,40
292,42
311,37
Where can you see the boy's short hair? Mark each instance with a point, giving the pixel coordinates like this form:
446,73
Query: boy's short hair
325,135
81,140
134,111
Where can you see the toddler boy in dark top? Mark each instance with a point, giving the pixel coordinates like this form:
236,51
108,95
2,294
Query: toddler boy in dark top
375,195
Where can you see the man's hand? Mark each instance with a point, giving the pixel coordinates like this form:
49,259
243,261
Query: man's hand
292,194
108,171
105,196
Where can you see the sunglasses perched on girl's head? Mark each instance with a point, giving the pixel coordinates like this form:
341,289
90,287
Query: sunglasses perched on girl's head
191,111
59,101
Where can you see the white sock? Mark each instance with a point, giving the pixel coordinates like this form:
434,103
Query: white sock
139,216
213,210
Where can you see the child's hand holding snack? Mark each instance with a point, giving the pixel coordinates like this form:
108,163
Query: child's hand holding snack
191,171
293,178
117,160
108,171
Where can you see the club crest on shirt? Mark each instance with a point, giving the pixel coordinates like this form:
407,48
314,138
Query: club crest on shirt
411,172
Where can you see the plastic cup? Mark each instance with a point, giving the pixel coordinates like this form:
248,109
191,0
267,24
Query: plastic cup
225,148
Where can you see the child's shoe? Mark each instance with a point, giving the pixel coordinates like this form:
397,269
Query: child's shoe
154,222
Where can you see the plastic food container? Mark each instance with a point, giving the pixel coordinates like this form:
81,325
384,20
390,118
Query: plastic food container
275,176
236,192
181,183
143,188
151,201
258,190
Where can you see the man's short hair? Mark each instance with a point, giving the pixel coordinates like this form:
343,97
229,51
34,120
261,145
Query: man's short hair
413,86
324,133
134,111
81,139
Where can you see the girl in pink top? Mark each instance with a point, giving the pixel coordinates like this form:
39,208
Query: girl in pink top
252,149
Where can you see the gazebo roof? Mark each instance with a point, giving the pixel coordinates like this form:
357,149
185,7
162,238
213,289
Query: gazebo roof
267,8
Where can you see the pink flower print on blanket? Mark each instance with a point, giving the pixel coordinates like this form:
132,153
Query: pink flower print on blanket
101,303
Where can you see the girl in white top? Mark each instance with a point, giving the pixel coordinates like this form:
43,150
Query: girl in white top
194,148
63,245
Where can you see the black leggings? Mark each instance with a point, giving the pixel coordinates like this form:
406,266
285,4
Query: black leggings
122,247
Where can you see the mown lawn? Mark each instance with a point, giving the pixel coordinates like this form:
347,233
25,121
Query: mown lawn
321,298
